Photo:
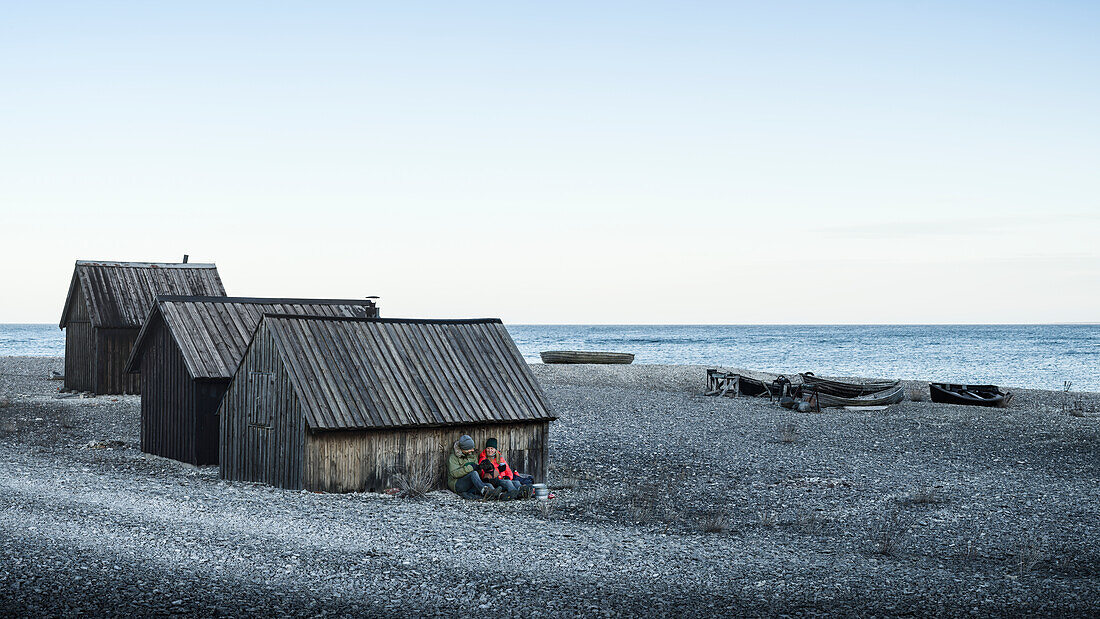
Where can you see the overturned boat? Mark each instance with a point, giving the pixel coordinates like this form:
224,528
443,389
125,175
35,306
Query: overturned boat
844,389
971,395
584,356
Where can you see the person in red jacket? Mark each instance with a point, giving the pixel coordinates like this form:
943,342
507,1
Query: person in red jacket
495,470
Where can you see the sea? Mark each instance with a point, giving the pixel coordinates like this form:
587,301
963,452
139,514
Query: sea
1028,356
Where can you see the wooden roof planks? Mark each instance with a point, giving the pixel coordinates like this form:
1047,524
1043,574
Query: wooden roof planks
365,373
119,294
213,332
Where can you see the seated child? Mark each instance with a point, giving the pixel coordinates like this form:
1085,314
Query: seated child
495,470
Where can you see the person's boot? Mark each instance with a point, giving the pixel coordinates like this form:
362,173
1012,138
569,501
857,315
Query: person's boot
490,493
526,491
512,494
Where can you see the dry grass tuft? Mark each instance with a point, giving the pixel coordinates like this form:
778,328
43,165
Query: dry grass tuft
414,482
714,522
916,394
811,521
544,509
768,518
789,433
1030,550
925,495
652,502
885,535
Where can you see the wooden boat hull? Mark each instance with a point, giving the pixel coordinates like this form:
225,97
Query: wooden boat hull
891,395
969,395
759,388
721,382
583,356
842,389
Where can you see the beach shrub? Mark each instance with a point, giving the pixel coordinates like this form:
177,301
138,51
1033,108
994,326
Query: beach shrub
544,509
714,522
884,536
768,518
916,394
924,495
789,432
415,481
1029,550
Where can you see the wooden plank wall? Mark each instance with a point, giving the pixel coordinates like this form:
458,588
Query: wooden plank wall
262,425
365,460
167,402
113,348
80,356
79,346
208,396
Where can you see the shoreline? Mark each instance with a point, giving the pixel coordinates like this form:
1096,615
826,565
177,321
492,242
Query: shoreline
677,377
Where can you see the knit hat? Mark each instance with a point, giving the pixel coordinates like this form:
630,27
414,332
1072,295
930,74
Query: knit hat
465,442
491,443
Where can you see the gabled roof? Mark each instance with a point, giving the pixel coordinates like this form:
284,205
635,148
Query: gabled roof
386,372
119,294
213,332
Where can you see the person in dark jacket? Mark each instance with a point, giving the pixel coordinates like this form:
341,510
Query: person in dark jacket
462,474
495,470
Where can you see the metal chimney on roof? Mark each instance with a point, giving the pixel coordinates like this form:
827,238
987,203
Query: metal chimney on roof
185,258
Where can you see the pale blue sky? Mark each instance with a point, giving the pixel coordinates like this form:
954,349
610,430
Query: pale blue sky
568,162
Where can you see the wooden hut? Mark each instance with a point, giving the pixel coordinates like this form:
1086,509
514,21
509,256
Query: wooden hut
188,350
342,404
106,306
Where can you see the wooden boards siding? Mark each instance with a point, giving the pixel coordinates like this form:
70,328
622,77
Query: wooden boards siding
79,346
113,348
366,460
80,357
167,405
262,427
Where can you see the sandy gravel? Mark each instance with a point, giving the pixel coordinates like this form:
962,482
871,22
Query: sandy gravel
669,503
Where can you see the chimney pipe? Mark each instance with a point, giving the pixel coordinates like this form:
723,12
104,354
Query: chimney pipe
185,258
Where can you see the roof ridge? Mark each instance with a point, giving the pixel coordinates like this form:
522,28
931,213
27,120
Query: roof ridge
175,298
159,265
432,321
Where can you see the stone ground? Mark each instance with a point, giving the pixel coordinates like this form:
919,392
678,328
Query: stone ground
668,503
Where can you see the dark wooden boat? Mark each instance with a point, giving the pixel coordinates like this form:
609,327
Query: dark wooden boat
890,395
843,389
971,395
722,382
759,388
584,356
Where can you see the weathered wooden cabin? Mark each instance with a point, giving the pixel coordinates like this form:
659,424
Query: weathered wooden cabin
188,350
342,404
106,306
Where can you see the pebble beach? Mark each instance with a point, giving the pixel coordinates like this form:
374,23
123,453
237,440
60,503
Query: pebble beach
667,502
